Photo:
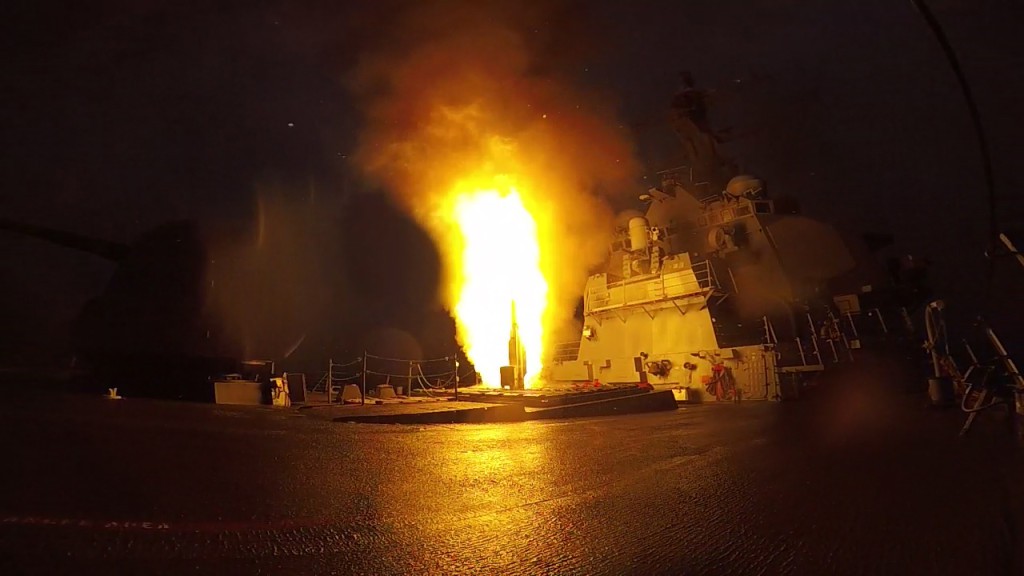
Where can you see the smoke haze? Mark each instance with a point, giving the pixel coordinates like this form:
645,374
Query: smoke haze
457,92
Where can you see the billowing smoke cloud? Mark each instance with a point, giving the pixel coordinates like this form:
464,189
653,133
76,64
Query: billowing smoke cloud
455,90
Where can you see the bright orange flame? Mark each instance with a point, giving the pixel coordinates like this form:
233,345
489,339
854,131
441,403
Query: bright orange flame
495,260
512,218
500,160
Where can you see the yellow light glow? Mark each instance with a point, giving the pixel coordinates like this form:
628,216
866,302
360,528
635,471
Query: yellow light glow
495,260
503,165
510,210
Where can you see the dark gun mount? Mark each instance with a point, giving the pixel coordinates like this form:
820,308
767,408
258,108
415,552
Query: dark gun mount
148,333
113,251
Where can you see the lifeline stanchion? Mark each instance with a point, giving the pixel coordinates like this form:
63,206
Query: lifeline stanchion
362,392
456,361
408,390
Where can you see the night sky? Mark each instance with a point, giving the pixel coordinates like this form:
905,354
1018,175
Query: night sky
121,116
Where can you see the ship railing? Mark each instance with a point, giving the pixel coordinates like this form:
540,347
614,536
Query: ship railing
699,279
705,274
683,176
368,371
567,351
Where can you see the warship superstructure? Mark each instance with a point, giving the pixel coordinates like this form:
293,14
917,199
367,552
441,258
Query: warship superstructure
720,290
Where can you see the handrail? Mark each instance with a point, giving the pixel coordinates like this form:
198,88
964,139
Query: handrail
664,286
412,370
566,351
386,368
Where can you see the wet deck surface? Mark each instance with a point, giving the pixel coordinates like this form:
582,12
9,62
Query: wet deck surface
856,481
387,407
